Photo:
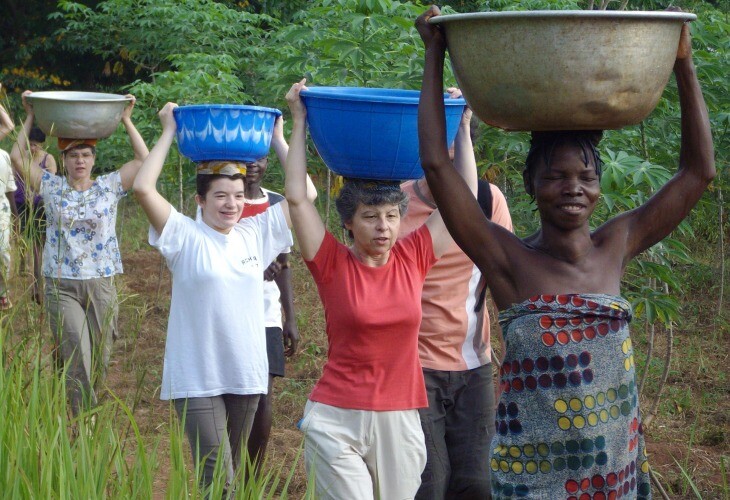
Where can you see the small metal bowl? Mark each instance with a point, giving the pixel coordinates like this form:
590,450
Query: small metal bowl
78,115
563,70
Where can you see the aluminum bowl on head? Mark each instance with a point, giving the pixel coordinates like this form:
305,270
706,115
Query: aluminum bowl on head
78,115
371,133
208,132
563,70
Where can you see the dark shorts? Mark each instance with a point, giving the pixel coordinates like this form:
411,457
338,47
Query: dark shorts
32,221
275,350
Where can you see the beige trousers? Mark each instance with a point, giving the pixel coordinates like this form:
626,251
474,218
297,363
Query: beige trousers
363,455
83,318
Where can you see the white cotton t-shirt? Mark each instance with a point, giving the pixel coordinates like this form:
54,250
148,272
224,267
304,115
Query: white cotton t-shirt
215,334
272,294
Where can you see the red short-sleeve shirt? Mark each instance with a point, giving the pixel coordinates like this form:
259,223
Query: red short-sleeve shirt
372,315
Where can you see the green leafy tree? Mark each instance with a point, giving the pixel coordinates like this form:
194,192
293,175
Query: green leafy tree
187,51
351,42
147,36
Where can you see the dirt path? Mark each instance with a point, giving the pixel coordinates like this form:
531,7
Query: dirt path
136,371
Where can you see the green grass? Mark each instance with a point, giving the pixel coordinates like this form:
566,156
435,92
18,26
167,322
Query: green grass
45,453
136,449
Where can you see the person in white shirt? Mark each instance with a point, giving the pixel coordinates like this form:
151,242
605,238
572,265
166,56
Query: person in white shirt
215,366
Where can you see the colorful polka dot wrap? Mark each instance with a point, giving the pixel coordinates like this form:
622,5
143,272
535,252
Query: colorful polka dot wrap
567,422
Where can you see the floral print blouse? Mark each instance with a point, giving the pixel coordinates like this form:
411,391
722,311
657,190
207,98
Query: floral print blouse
81,238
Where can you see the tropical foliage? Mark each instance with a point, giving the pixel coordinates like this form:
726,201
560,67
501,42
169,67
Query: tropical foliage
205,51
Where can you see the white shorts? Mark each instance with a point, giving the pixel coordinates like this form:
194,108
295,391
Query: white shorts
362,454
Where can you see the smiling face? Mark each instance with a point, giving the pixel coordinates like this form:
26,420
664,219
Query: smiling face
374,229
567,190
223,203
255,170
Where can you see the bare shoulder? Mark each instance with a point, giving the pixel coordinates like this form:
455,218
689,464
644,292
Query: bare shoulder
614,234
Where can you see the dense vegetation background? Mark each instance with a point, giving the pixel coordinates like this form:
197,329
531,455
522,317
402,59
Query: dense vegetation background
206,51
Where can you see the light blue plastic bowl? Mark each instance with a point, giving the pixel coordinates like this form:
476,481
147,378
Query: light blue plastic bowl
208,132
371,133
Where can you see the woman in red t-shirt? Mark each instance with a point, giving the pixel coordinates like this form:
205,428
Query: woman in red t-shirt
363,436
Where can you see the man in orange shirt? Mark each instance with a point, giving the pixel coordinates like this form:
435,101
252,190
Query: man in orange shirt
454,350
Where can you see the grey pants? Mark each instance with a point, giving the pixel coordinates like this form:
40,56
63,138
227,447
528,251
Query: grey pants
83,318
218,424
458,425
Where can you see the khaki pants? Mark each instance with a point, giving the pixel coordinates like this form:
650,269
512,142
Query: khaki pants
363,455
83,318
218,424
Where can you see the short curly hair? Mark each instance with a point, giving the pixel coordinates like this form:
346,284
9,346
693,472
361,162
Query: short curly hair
369,192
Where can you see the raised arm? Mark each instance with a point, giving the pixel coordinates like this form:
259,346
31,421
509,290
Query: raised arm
466,165
20,155
154,205
307,223
454,197
6,123
659,216
129,170
281,148
51,164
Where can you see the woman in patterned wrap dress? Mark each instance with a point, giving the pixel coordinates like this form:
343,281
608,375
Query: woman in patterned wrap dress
568,422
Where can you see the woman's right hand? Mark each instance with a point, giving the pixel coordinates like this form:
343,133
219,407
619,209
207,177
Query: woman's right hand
296,105
455,93
26,103
167,118
430,33
277,136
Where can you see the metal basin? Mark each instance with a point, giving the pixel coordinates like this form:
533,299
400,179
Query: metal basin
563,70
78,115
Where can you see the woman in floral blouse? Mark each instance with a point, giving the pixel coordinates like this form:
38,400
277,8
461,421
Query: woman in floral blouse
81,253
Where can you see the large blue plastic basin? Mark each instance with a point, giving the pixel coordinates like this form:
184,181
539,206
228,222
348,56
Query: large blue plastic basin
208,132
371,133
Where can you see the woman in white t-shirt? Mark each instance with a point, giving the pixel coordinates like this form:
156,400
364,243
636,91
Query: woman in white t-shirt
215,365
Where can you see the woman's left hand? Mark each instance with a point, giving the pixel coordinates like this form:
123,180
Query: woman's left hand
167,118
684,50
293,98
127,113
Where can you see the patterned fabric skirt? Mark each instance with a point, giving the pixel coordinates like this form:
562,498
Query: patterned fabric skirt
568,423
